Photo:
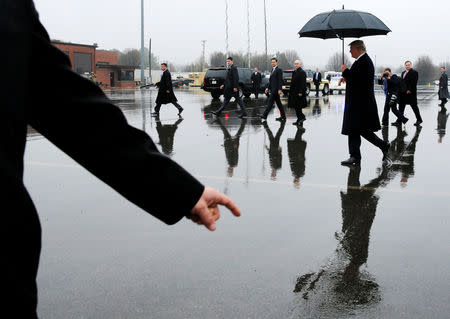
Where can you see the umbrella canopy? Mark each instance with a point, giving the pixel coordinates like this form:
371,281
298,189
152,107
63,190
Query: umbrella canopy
343,24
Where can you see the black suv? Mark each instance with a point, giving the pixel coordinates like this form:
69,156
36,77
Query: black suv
215,77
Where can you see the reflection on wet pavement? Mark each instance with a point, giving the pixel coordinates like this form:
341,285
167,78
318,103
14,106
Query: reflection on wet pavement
307,223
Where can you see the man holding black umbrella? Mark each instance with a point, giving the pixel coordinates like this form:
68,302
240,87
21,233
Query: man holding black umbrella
361,113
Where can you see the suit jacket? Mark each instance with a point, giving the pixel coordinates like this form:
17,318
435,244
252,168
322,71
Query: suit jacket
298,85
361,113
165,84
276,81
231,80
78,118
443,86
409,83
256,79
319,79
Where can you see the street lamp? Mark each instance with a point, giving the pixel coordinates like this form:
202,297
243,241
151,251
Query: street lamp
142,44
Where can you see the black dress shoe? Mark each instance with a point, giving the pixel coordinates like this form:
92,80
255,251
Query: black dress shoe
396,123
418,123
281,119
243,116
351,161
155,113
180,111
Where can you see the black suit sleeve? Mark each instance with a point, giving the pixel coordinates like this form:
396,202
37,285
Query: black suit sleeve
76,116
411,84
279,79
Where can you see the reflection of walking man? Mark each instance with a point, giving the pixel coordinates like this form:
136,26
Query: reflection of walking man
275,155
442,123
361,113
297,92
166,135
231,89
231,145
408,92
317,78
275,85
165,92
296,151
443,87
256,82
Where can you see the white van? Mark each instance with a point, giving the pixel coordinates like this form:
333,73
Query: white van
333,81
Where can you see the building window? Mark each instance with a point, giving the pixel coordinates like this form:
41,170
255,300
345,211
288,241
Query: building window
126,75
82,62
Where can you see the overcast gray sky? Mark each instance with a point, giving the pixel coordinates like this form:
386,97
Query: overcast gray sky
178,26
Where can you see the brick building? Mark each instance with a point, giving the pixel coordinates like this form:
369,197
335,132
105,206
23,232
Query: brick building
86,58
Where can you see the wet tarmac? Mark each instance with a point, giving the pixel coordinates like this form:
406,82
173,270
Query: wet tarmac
316,240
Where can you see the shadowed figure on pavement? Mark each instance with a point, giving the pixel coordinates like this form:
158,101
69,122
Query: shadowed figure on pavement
442,123
274,149
231,144
296,151
166,133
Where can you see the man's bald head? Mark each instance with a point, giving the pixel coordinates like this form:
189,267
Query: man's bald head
297,64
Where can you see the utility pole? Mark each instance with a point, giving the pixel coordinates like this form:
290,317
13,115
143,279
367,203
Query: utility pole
203,55
142,44
265,33
248,34
226,27
150,60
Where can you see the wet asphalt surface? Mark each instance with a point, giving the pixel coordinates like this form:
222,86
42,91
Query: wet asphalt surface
316,239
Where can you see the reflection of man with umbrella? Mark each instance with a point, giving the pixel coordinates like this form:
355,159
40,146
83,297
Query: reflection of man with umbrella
361,113
296,151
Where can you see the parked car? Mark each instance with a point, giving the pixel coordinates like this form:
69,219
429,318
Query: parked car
215,77
333,81
287,77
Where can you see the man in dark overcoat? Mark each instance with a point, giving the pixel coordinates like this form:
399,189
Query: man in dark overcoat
75,115
317,79
361,113
408,92
231,89
297,92
165,92
443,87
256,79
275,85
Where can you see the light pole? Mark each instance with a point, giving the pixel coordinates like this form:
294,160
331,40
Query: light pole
248,34
142,44
265,32
203,55
226,27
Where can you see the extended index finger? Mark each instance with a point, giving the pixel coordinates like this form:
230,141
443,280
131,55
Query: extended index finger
228,203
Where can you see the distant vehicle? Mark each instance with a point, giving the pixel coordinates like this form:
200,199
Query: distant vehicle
287,78
333,81
215,77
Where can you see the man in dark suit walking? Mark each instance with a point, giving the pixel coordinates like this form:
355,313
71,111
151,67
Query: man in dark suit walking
275,85
297,92
317,78
443,87
165,92
75,115
256,82
231,89
361,113
408,92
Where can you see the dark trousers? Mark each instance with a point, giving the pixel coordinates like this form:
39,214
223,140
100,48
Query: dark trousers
414,107
388,107
299,113
354,143
274,98
158,106
317,88
226,100
444,100
256,90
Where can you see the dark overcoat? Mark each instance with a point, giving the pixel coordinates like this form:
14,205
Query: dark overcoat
443,86
298,85
165,84
256,79
361,113
231,81
75,115
276,81
408,82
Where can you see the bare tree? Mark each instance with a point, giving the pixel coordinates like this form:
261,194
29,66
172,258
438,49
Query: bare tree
132,57
291,56
217,59
427,70
335,62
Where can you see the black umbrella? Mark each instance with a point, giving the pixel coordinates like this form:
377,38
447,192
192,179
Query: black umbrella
343,24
